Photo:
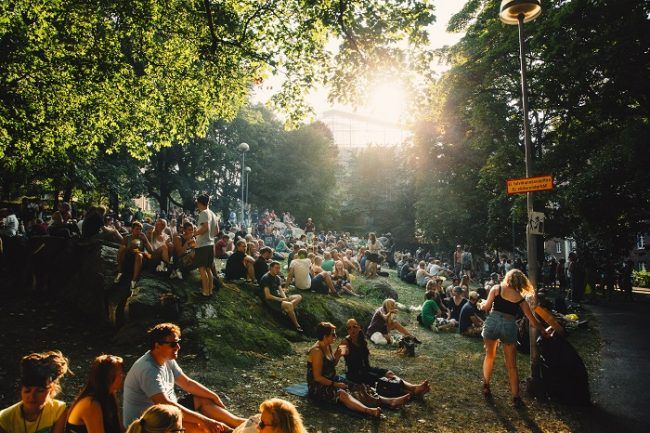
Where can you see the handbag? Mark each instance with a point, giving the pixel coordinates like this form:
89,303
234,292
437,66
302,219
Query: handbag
390,387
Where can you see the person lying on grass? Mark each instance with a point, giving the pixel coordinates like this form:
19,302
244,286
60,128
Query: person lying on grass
357,363
326,387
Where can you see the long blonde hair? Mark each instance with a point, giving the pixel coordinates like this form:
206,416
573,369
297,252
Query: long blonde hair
516,280
157,419
286,418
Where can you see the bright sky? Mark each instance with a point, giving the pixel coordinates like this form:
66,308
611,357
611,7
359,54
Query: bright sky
388,101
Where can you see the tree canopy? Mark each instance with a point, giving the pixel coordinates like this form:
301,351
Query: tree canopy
587,64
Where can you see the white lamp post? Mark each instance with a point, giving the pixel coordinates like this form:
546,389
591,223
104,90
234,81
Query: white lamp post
243,148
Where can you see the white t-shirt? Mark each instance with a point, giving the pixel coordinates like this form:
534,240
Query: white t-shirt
207,238
11,225
301,273
145,379
434,269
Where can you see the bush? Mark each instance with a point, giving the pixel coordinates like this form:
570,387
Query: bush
641,279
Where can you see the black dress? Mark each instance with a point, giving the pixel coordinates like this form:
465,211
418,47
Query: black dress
358,364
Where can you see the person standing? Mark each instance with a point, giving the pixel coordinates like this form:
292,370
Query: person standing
151,380
204,252
504,302
458,254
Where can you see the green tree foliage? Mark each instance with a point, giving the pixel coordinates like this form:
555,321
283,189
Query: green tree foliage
98,76
588,65
290,170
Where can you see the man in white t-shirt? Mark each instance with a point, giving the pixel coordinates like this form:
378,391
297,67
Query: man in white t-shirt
9,223
300,271
152,378
208,227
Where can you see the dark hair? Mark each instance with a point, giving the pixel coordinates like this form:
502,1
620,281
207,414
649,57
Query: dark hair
36,369
162,330
187,224
324,329
204,199
429,295
103,371
136,223
265,250
274,263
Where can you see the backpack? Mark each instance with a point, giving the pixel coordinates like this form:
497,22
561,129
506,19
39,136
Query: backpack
563,372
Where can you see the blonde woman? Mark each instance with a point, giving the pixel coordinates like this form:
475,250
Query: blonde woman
504,302
160,418
37,410
383,321
276,416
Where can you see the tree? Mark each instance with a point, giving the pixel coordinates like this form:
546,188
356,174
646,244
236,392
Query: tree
101,76
587,67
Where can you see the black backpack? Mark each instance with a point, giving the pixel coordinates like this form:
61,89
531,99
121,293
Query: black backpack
563,372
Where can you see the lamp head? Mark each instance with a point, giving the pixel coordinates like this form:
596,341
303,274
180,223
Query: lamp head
243,147
247,169
511,9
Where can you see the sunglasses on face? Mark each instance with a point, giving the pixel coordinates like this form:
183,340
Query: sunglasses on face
171,343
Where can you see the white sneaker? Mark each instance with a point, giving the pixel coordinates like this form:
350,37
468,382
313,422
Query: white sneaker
161,267
117,277
133,283
179,274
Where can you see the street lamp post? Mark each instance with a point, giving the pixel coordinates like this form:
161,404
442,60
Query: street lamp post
243,148
248,171
518,12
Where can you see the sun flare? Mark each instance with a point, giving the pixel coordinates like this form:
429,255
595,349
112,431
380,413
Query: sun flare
388,101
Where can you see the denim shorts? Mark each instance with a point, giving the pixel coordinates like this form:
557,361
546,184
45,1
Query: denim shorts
499,326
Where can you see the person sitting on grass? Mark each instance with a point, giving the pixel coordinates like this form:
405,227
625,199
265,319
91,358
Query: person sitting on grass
151,381
322,280
341,279
328,262
383,321
37,411
159,418
422,277
357,363
133,252
275,297
239,265
430,311
95,409
350,261
161,245
469,323
454,305
261,265
279,416
299,269
184,244
326,387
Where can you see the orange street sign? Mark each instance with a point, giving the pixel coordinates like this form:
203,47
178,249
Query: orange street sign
529,184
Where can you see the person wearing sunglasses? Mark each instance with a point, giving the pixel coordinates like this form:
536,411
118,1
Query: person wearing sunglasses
151,381
160,418
326,387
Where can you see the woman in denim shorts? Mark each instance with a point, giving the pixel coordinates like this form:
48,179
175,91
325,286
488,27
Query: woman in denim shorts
504,302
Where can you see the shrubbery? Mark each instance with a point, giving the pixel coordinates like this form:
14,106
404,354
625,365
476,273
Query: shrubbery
641,279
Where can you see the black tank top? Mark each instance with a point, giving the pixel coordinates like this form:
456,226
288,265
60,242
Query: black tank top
502,305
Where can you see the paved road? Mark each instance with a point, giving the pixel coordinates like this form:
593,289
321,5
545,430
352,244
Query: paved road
622,393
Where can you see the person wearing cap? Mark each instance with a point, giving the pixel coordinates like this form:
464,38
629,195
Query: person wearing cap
469,323
208,228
